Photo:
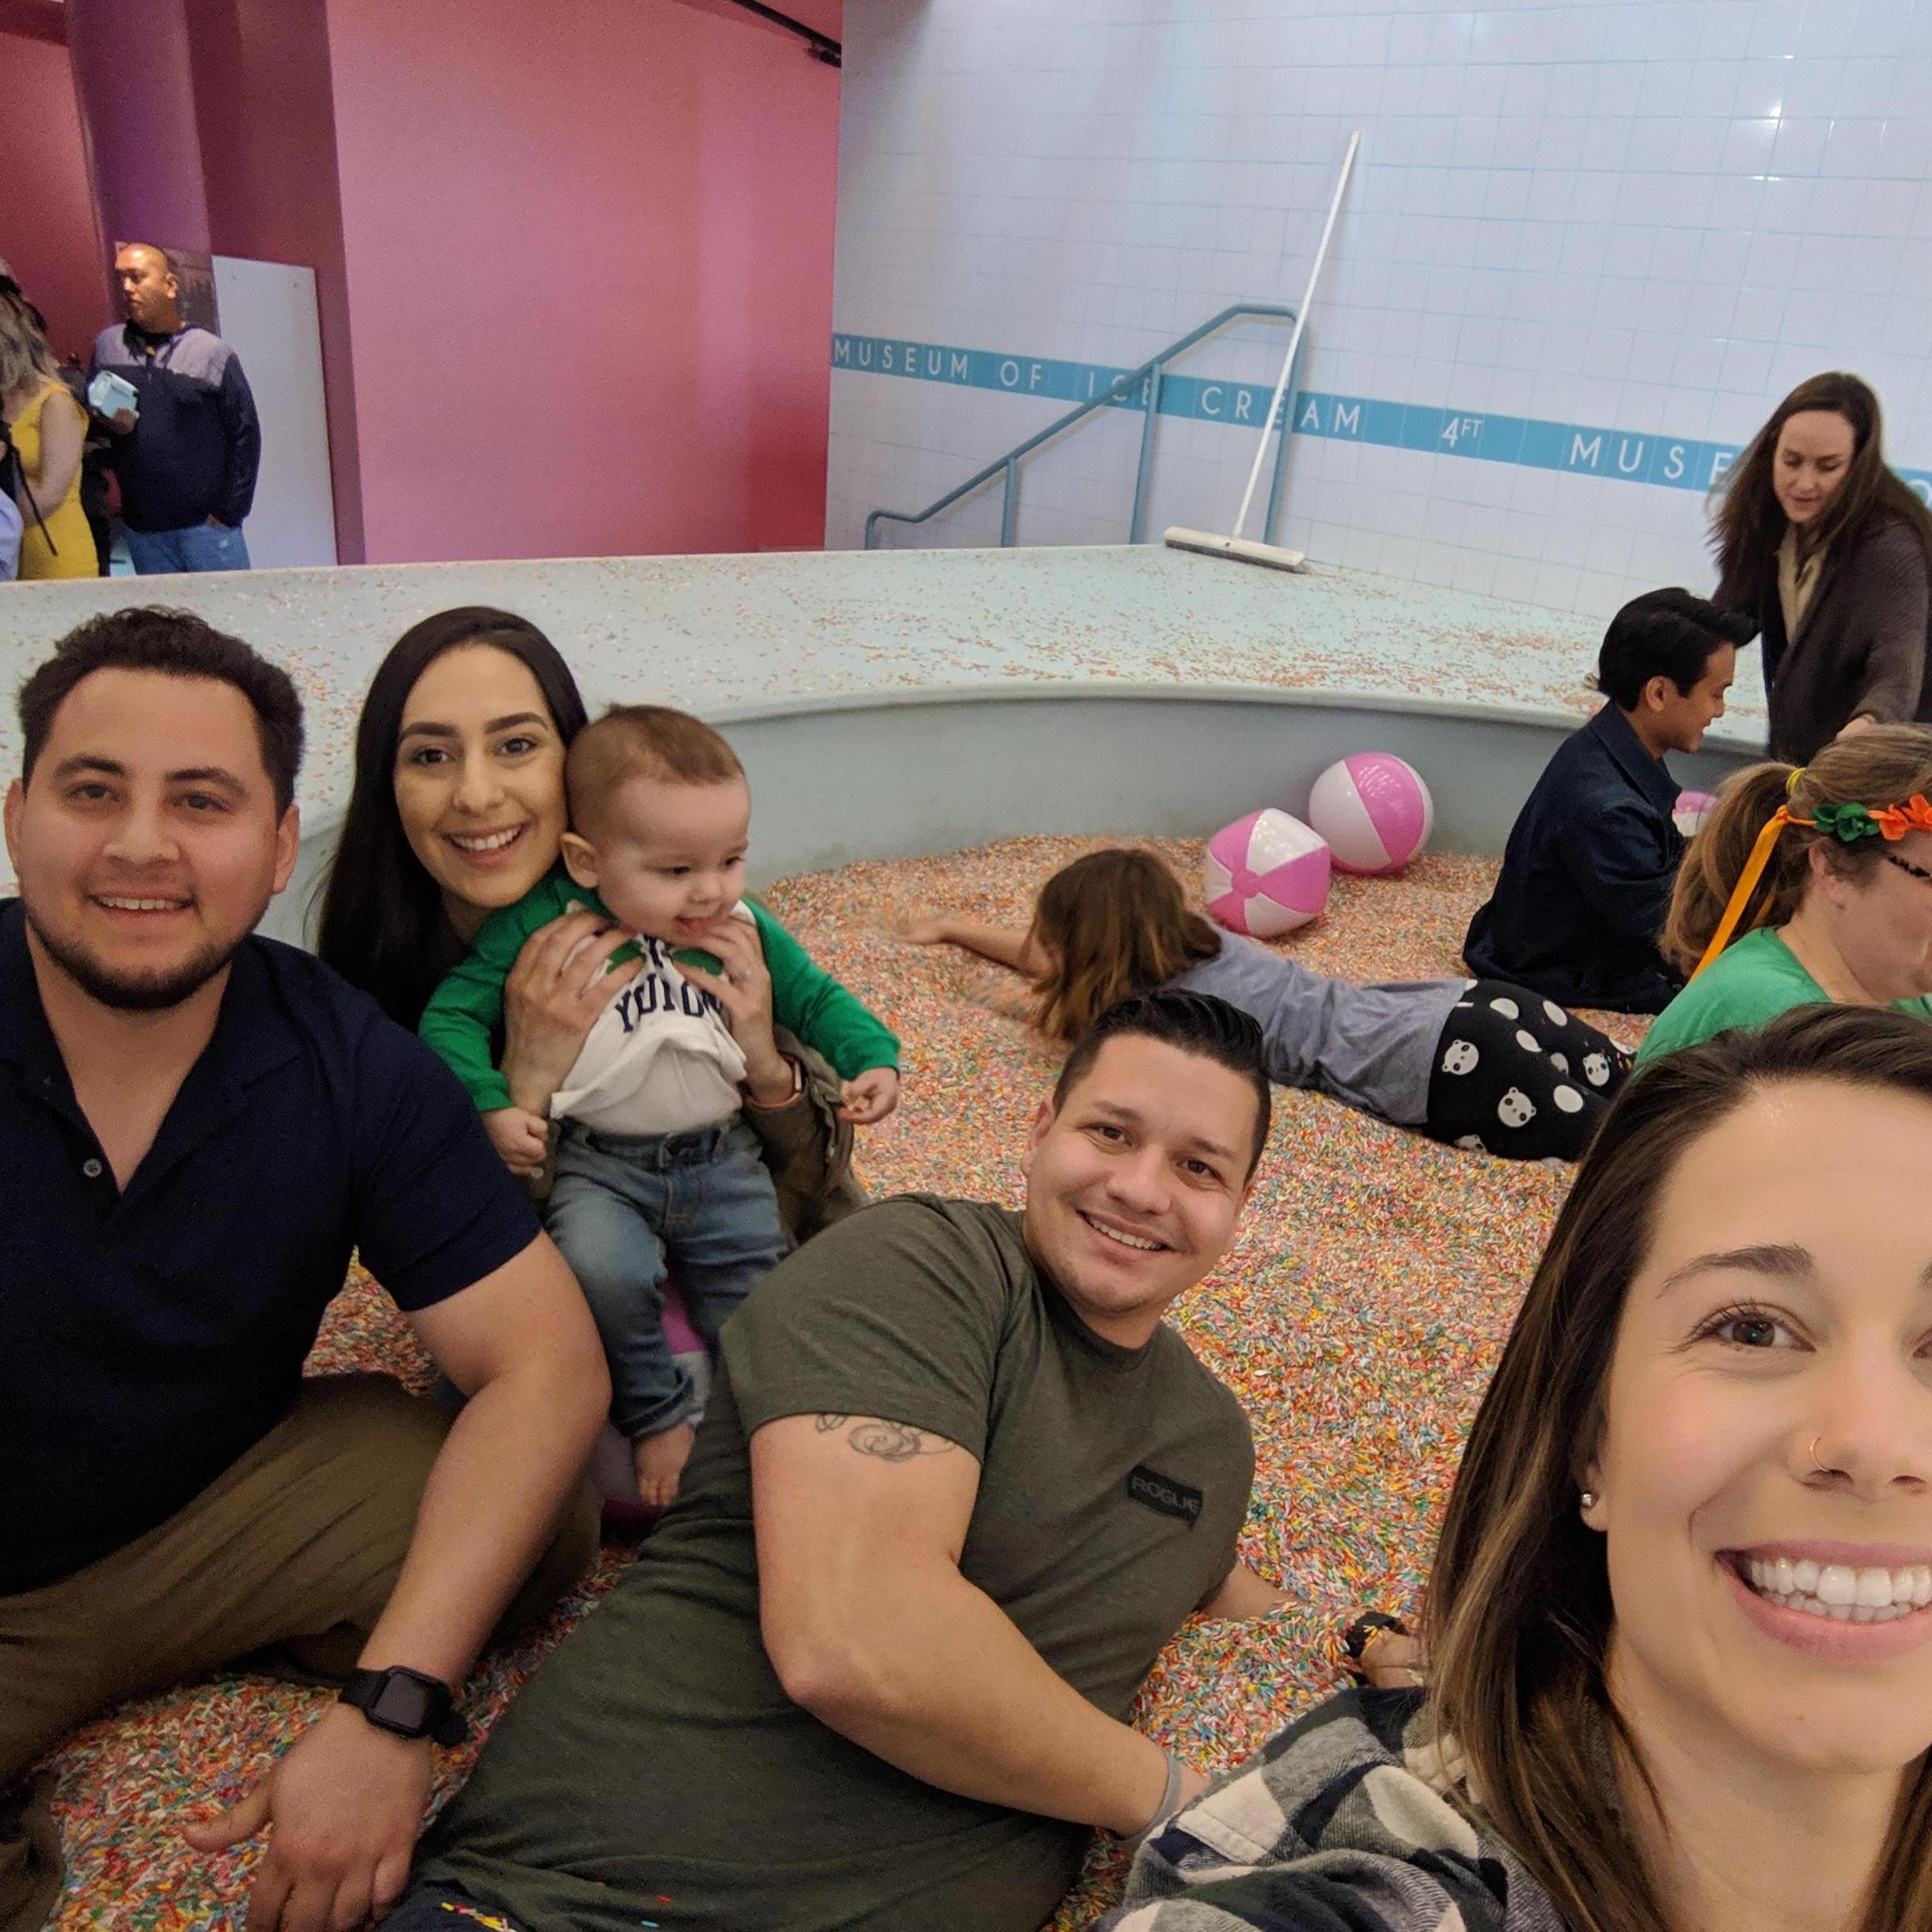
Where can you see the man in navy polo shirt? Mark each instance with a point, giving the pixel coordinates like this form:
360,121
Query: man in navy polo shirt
1587,875
196,1128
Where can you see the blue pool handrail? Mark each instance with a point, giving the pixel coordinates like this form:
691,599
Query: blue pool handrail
1150,373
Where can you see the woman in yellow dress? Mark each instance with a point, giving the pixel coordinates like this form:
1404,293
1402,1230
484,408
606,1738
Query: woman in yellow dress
49,429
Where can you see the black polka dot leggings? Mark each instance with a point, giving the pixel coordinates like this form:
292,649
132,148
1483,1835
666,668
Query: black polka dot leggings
1518,1076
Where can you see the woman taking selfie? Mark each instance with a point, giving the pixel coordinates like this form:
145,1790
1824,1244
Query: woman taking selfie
1828,551
1680,1617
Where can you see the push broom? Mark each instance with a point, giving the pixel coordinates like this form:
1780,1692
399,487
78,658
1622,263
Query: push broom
1245,549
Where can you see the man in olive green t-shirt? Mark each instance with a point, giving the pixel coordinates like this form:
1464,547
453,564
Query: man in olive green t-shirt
957,1486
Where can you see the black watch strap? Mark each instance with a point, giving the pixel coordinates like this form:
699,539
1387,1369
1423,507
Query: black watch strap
406,1703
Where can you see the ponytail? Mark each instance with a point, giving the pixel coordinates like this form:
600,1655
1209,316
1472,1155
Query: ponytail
1884,767
1716,861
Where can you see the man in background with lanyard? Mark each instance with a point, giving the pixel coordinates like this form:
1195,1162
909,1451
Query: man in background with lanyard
188,446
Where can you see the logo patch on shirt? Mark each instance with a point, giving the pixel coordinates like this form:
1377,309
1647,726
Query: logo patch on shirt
1164,1493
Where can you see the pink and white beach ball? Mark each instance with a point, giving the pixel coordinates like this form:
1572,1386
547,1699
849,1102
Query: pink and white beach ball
1690,810
1374,811
1266,874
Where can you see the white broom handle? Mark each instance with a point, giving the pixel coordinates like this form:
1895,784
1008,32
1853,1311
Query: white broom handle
1294,340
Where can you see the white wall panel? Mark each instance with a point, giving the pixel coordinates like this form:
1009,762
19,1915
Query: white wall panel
1647,217
269,317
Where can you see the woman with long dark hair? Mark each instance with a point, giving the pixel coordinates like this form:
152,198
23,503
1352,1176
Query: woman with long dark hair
457,809
1831,555
1680,1615
398,910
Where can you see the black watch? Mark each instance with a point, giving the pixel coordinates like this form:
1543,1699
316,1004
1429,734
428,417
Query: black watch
407,1703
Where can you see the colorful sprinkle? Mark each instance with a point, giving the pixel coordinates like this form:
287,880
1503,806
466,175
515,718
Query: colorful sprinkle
1358,1319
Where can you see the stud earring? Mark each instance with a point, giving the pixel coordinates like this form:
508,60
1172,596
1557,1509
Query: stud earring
1587,1500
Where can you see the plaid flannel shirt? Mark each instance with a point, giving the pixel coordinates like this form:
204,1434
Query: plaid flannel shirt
1340,1823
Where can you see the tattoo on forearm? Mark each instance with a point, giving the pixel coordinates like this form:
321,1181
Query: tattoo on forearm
887,1442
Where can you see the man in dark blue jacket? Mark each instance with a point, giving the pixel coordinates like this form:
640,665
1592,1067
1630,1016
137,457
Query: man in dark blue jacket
1587,875
187,452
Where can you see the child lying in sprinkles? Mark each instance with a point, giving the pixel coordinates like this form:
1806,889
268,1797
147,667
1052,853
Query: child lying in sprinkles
654,1162
1484,1064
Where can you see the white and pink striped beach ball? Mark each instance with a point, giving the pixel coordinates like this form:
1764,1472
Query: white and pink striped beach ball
1690,810
1374,811
1266,874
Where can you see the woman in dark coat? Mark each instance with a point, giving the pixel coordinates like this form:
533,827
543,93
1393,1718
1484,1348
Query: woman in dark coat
1830,554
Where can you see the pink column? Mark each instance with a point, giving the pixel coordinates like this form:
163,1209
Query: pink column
50,239
134,75
265,107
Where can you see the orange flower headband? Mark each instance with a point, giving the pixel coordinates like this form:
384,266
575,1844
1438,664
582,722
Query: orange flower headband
1847,823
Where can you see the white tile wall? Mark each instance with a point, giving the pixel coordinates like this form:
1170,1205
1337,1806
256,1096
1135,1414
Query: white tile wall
1649,215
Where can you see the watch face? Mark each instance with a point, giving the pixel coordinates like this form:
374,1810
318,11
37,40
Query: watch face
403,1702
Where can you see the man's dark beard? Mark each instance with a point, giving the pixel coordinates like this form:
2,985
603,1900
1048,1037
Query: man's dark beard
124,994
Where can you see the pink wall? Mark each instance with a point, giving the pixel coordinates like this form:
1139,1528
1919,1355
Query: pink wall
212,130
134,70
264,105
574,265
48,231
590,255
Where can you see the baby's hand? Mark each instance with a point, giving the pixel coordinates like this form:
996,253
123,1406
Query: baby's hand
870,1098
520,1136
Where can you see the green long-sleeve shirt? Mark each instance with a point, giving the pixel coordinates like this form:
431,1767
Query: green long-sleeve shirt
465,1013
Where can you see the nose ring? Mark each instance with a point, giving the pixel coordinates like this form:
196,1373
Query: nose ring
1817,1468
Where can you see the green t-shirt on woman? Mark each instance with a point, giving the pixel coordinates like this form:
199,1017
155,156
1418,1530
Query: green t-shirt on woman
1748,982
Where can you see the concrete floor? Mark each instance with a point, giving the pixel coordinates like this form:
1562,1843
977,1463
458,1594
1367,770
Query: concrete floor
738,636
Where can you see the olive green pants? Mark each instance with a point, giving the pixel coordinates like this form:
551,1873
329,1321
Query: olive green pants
285,1560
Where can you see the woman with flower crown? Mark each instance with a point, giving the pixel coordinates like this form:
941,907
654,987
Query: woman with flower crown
1807,885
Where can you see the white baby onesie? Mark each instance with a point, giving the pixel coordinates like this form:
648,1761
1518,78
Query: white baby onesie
660,1059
